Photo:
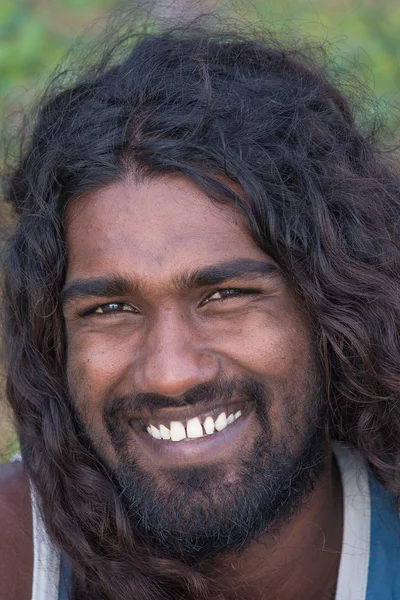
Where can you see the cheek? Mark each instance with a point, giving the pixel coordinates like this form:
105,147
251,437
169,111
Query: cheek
93,372
284,358
89,388
274,348
96,364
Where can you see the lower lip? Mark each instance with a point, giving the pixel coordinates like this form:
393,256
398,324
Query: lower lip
196,451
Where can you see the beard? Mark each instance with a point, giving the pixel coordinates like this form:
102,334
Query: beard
199,514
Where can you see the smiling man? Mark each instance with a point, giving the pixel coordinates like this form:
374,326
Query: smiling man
202,313
192,366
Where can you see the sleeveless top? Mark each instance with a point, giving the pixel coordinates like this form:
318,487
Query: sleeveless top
370,557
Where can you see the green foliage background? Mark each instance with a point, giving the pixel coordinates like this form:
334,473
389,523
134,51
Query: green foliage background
34,35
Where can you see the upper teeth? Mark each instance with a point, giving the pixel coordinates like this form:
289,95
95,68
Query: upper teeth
193,428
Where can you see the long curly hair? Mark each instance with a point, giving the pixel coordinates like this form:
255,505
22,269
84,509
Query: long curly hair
321,197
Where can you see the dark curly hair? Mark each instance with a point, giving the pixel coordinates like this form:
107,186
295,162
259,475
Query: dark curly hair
226,111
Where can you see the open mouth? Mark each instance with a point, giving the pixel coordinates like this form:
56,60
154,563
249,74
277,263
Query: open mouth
182,437
202,425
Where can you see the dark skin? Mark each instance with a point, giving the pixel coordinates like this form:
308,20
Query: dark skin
16,548
164,332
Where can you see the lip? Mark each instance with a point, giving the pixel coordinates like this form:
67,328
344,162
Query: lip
184,413
194,451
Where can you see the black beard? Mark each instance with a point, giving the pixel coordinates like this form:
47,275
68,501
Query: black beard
198,517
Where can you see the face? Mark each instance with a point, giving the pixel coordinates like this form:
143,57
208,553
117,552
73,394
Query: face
191,366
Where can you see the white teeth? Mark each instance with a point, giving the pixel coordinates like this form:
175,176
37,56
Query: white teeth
178,432
165,433
209,425
155,433
194,428
221,423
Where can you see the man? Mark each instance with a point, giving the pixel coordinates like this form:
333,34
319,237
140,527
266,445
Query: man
202,334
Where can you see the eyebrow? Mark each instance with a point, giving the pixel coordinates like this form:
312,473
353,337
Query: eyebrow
216,274
100,287
106,287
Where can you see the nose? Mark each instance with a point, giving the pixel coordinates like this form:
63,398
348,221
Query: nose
173,358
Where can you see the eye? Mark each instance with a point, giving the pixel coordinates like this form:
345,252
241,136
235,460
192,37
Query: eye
229,293
113,308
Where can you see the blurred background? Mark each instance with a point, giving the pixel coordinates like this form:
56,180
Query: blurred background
35,34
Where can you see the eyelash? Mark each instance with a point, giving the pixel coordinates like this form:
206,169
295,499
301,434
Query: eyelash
229,293
226,294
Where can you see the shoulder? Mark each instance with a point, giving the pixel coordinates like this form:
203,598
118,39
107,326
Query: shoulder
16,548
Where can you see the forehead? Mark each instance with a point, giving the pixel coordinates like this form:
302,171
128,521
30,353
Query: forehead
153,229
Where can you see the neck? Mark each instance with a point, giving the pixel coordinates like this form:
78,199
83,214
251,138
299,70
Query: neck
301,561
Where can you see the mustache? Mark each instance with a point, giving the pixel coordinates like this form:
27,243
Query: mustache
204,395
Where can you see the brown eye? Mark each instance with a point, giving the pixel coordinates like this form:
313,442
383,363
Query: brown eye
113,307
221,294
229,293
